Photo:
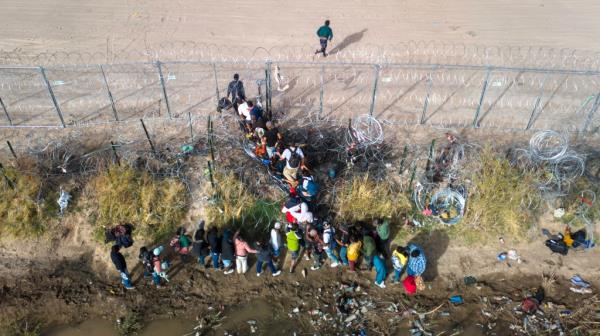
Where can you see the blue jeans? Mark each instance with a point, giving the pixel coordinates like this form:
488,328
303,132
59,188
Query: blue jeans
269,263
331,255
344,255
125,279
276,252
397,275
381,273
215,259
156,278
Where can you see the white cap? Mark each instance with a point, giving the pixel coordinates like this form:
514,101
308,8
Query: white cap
277,225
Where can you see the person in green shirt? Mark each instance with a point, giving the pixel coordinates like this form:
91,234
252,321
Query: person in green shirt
368,249
383,232
325,34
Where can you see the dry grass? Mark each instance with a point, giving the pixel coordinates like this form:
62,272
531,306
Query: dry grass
123,195
363,198
26,209
503,201
233,205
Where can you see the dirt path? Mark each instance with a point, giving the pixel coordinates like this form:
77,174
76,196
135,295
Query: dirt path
113,27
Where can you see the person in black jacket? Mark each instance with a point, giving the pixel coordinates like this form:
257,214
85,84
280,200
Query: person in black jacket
214,242
236,90
227,251
200,245
121,266
265,256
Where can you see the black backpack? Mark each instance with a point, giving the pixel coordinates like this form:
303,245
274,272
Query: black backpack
295,159
557,246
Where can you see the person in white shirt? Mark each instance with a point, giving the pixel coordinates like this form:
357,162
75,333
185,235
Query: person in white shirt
244,111
276,239
294,158
330,244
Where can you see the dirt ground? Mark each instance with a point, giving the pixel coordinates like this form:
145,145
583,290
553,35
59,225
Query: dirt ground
115,27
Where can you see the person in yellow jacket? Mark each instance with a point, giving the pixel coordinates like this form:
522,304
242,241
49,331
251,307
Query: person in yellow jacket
293,240
399,259
354,252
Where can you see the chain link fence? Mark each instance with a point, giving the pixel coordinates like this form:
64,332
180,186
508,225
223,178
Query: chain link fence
439,95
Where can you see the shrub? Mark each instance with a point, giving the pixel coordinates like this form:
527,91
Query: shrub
363,198
502,200
233,205
25,207
124,195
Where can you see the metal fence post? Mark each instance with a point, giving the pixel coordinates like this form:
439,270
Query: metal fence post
12,151
268,88
191,127
54,101
429,85
483,91
374,94
537,104
164,88
590,115
216,83
110,96
322,91
148,137
5,112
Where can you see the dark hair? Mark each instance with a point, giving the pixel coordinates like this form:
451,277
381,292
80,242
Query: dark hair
236,76
294,227
415,253
305,172
181,231
327,22
115,248
400,249
250,103
239,100
143,249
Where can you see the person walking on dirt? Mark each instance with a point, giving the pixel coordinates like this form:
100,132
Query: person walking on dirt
145,258
330,244
158,271
354,252
276,239
343,240
416,261
325,34
265,256
379,263
121,266
235,89
200,245
315,245
369,249
399,259
293,238
214,243
383,234
227,251
242,249
181,244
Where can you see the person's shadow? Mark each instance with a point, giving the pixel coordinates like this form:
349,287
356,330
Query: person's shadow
434,244
348,40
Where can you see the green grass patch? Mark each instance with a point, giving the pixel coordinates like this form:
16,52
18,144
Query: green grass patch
503,201
154,206
233,205
27,206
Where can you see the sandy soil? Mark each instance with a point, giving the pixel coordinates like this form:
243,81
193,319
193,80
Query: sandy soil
113,26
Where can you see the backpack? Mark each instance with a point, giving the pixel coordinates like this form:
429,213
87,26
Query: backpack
295,159
557,246
124,241
224,104
312,188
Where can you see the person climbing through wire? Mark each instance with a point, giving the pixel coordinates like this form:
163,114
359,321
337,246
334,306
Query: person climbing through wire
325,34
308,188
235,89
294,160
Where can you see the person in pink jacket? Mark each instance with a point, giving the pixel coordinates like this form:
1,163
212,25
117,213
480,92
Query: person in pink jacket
242,249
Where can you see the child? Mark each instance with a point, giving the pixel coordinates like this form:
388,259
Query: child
399,259
354,252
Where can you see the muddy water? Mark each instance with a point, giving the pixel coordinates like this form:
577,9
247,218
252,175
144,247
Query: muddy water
100,327
268,319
